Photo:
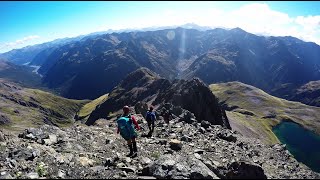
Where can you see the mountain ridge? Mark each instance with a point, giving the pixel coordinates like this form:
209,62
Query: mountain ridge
254,113
146,86
215,55
233,55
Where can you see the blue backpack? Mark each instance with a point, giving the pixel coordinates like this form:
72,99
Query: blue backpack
151,116
126,128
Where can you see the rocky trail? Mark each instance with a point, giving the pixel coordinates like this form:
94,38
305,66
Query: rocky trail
178,150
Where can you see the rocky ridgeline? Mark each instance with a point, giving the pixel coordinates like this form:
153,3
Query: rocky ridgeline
143,85
182,149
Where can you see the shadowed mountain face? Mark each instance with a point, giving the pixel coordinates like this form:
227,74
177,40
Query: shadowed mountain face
265,62
218,55
19,74
145,85
23,55
308,93
92,66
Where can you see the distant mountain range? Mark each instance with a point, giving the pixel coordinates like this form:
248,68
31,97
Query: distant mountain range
37,54
93,65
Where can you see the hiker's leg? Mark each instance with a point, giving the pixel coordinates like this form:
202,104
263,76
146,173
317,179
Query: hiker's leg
129,142
149,126
135,150
130,147
134,144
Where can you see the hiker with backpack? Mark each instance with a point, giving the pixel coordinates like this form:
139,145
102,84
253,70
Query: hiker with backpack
127,131
167,116
150,118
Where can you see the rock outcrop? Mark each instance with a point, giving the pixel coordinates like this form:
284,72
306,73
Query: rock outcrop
4,119
144,85
176,150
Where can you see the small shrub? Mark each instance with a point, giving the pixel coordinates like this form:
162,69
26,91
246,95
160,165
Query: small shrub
41,169
2,148
18,174
155,154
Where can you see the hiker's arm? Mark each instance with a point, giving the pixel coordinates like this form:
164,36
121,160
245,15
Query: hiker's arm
135,122
118,130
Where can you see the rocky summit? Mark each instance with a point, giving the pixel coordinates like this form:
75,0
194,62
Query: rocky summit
179,149
143,85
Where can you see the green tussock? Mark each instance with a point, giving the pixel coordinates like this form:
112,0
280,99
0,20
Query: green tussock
61,105
267,110
31,108
87,109
41,169
2,148
155,155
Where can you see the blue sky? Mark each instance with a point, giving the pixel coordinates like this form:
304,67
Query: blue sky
31,22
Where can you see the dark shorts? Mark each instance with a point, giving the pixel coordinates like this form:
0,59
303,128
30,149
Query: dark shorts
133,137
150,122
129,136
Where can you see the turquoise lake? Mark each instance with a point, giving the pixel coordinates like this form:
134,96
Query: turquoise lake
303,144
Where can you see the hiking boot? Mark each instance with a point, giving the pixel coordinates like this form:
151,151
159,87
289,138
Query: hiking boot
135,154
134,147
130,154
131,150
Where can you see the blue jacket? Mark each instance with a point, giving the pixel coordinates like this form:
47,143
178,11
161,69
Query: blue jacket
150,116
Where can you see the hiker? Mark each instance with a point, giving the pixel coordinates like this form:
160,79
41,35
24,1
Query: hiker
150,118
167,116
125,127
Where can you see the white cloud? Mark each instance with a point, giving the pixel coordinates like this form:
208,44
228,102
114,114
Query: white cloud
22,41
18,43
260,19
309,21
257,18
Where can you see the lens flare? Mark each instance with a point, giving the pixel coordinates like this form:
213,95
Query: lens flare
171,35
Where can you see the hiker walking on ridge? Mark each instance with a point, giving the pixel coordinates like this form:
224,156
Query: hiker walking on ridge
150,118
167,116
127,131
